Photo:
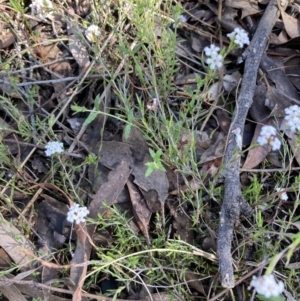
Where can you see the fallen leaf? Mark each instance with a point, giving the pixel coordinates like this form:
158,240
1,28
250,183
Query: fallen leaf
30,289
140,209
76,47
112,153
16,245
11,292
231,81
248,7
157,180
106,194
182,223
257,153
276,72
4,127
294,144
293,71
98,175
211,168
137,142
216,150
5,260
212,92
259,111
291,25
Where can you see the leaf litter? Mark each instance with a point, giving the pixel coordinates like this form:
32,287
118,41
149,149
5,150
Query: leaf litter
61,63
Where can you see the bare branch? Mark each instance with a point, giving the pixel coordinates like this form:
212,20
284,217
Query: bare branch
233,199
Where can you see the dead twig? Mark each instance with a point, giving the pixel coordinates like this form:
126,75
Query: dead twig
233,203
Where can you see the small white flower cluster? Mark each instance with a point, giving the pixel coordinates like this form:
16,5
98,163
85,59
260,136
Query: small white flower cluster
282,194
214,58
41,9
239,36
267,286
152,105
77,214
292,118
92,32
53,147
183,18
268,136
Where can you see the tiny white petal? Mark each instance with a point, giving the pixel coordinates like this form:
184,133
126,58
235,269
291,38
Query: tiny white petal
239,36
267,286
92,32
41,9
53,147
183,18
77,214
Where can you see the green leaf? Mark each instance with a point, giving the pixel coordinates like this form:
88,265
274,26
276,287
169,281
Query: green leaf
148,171
278,298
78,109
157,155
97,102
90,118
130,116
127,130
152,153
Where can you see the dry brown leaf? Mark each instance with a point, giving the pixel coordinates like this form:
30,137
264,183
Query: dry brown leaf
224,120
215,151
107,193
231,81
294,144
293,71
137,142
192,185
182,223
76,47
16,245
140,209
30,289
259,111
4,127
276,72
248,7
212,93
11,292
257,152
194,281
211,168
112,153
157,180
5,260
291,25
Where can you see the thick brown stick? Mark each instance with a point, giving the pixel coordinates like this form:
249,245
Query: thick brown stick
233,202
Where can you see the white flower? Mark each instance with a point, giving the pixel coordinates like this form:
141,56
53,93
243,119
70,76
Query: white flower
215,61
41,9
240,37
183,18
267,286
77,214
292,118
275,143
282,194
268,131
212,50
268,136
92,32
152,105
53,147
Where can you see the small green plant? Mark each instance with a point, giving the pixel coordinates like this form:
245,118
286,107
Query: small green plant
156,164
